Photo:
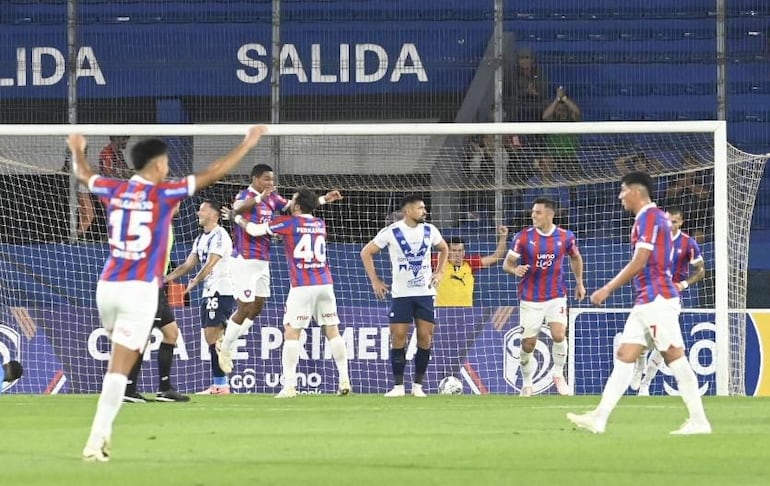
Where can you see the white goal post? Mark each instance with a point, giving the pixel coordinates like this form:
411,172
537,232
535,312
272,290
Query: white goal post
316,155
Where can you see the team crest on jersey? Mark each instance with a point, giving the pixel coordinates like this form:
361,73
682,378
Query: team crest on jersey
10,349
542,380
247,293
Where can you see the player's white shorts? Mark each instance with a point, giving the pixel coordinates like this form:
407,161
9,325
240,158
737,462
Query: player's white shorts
532,315
655,323
127,310
251,278
316,301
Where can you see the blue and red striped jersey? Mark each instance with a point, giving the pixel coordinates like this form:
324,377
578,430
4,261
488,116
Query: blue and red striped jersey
304,241
652,231
256,247
139,217
544,253
686,253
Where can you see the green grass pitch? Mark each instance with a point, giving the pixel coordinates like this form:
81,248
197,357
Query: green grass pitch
369,440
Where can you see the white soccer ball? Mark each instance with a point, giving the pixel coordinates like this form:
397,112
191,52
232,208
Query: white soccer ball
450,386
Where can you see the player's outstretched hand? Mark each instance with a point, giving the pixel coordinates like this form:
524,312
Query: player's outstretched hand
332,196
580,291
521,270
380,288
227,213
599,296
253,135
76,141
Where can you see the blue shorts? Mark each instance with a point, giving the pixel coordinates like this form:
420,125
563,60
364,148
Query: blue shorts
407,309
216,310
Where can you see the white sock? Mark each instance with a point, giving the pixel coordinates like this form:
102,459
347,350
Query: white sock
232,332
247,323
616,386
640,362
653,365
340,355
688,387
289,361
527,365
559,353
110,400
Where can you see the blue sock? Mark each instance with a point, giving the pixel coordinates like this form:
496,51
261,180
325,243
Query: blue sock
398,363
421,360
219,377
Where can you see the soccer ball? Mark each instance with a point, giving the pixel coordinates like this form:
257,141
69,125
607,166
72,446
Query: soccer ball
450,386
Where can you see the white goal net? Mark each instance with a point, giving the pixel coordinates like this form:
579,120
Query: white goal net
473,178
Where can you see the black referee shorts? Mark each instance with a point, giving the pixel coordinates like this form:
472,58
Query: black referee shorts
164,315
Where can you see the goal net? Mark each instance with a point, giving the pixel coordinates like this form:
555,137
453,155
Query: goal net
473,178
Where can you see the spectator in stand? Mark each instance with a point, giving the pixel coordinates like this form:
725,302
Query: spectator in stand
86,212
455,289
526,89
112,162
479,174
563,147
638,163
691,192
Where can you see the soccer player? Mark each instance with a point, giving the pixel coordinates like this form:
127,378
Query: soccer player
213,249
456,286
537,256
654,318
139,214
686,254
409,242
251,267
10,371
312,293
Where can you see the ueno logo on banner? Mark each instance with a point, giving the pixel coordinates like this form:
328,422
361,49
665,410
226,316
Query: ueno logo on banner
10,349
542,379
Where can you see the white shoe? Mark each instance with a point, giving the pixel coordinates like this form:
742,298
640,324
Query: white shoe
397,391
589,421
561,385
644,390
526,391
637,380
287,392
693,427
99,453
344,389
225,358
417,391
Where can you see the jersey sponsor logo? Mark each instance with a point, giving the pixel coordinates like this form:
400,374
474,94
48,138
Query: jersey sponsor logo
542,379
545,260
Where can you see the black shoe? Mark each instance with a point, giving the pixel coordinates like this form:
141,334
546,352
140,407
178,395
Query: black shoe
133,397
171,396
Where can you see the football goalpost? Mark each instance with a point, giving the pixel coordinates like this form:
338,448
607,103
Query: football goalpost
473,177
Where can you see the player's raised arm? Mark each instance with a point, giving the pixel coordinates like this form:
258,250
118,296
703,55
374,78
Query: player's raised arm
222,166
499,254
367,257
80,166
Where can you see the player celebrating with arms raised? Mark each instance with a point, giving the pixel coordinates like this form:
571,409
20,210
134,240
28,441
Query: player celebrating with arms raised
654,318
542,292
686,253
251,267
409,242
139,212
312,292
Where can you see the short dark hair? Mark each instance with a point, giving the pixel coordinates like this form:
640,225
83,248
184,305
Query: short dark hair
549,203
306,199
676,210
13,370
260,169
411,199
640,178
214,204
456,240
146,150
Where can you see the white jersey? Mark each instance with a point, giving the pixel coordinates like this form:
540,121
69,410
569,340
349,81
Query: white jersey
410,257
216,242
